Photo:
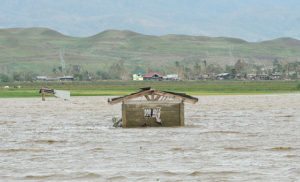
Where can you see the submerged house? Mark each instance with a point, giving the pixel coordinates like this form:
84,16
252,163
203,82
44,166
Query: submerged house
63,94
149,107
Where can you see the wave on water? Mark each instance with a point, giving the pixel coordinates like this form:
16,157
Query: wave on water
286,116
50,141
177,149
199,173
169,173
237,148
96,149
292,156
43,177
281,149
88,175
73,176
7,122
21,150
222,132
116,178
196,173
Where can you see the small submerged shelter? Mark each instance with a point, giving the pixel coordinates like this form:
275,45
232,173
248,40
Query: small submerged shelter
149,107
63,94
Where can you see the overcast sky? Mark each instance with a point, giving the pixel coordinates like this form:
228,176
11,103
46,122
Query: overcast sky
252,20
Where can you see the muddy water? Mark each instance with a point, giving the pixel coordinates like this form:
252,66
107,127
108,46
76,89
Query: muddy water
226,138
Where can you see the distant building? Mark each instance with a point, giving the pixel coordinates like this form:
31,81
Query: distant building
137,77
251,76
171,77
52,79
262,77
153,76
275,76
203,77
66,78
42,78
223,76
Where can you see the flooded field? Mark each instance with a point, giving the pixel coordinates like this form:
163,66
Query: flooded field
226,138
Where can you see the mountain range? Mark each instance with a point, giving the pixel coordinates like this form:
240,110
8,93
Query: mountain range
38,50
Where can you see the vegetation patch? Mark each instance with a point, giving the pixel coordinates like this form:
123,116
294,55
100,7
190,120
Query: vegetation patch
298,86
102,88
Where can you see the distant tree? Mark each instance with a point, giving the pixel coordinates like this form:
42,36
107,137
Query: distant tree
78,76
118,71
103,75
179,69
60,69
196,69
76,69
149,69
277,66
138,69
86,76
54,70
297,68
29,76
18,76
228,68
4,78
258,69
205,66
187,73
233,72
298,86
214,68
177,64
239,66
294,76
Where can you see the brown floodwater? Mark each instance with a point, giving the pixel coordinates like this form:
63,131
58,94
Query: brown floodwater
226,138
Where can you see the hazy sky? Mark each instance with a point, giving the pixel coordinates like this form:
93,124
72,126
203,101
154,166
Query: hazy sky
248,19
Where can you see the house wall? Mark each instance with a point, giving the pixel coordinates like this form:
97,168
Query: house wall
137,77
138,114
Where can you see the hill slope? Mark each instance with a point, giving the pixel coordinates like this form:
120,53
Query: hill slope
37,50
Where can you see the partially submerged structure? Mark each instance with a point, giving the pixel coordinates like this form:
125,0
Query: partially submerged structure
149,107
63,94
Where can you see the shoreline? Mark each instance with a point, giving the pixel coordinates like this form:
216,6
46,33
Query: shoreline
189,93
116,88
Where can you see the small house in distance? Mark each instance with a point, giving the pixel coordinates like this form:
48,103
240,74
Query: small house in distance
42,78
171,77
137,77
154,108
224,76
153,76
67,78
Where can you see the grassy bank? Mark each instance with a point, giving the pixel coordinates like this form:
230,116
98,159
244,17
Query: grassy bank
126,87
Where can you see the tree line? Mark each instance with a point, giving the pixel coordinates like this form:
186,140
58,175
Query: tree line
187,69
